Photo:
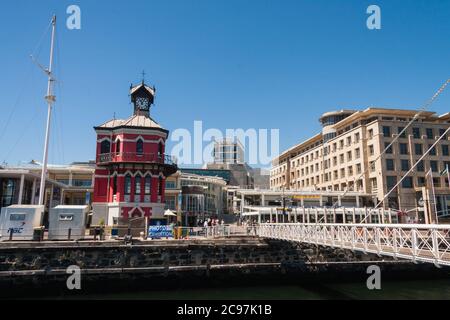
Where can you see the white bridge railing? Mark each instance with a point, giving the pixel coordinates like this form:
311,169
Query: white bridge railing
424,243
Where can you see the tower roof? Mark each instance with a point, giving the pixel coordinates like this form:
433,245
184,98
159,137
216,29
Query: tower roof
134,89
139,121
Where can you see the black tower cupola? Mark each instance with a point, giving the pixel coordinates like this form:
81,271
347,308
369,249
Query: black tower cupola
142,97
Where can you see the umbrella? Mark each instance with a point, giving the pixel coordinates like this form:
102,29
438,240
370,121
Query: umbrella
169,213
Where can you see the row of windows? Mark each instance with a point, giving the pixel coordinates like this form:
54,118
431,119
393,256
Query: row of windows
417,133
419,149
105,147
408,182
405,165
138,180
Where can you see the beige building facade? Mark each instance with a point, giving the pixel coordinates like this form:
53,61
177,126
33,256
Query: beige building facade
345,156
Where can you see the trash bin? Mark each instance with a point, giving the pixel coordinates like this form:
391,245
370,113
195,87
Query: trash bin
38,234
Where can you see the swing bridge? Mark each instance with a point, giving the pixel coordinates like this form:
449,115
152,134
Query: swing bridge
429,243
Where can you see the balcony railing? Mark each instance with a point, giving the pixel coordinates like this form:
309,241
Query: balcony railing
135,157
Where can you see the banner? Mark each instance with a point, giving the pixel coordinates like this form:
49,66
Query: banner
155,232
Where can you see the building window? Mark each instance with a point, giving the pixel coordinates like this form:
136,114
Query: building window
388,150
416,133
114,185
386,131
105,147
390,164
128,184
445,150
403,148
400,129
437,182
434,166
349,156
137,185
432,150
391,181
358,168
371,150
418,149
160,150
350,171
441,132
372,166
357,137
407,182
420,167
370,133
405,165
421,181
139,146
341,158
429,132
118,146
357,153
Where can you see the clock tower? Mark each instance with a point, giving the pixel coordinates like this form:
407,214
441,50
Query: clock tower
131,164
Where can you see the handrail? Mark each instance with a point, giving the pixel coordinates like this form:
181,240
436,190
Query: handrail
371,225
136,157
426,243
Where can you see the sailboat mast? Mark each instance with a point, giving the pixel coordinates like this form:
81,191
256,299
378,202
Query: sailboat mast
50,98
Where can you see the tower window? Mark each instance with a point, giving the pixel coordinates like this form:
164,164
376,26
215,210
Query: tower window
140,146
105,147
128,184
148,184
118,146
137,185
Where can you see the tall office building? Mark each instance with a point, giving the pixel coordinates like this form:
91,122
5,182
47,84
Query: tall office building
346,156
228,151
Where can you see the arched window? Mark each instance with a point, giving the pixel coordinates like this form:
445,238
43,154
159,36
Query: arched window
118,146
105,147
137,185
139,146
148,184
114,185
128,184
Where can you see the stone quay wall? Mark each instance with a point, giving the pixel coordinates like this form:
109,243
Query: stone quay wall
28,265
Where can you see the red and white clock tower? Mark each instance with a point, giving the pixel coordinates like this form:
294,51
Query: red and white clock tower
131,164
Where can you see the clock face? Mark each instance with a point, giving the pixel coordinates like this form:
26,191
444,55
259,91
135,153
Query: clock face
142,103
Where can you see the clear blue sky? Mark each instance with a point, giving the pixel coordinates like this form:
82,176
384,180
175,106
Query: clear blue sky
233,64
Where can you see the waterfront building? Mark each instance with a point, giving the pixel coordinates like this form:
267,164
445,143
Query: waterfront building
131,164
65,184
345,155
203,197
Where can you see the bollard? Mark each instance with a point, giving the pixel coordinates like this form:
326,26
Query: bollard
69,233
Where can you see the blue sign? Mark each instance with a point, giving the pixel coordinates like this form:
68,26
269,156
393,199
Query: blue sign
156,232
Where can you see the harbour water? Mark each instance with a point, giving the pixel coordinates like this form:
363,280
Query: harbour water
390,290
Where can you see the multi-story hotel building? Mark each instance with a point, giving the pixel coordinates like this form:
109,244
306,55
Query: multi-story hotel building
346,156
